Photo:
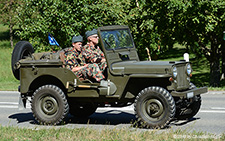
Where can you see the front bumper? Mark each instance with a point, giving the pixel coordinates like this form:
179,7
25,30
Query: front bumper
190,93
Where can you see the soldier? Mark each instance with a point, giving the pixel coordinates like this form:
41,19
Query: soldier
76,62
92,52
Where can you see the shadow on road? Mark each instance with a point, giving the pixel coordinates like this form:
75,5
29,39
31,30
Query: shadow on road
110,117
183,122
23,117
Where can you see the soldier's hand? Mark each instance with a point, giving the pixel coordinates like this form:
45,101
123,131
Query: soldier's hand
85,65
103,60
98,60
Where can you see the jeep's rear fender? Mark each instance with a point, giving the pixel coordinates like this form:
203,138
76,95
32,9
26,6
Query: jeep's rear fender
34,77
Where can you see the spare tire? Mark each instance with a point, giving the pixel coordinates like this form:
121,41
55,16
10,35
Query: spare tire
22,50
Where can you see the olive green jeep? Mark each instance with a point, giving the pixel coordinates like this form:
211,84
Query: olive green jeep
159,90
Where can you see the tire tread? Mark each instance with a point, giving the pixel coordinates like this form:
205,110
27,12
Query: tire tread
166,94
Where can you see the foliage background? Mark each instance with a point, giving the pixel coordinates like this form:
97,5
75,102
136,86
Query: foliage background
155,24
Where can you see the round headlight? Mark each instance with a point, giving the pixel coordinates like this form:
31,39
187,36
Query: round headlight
189,69
174,72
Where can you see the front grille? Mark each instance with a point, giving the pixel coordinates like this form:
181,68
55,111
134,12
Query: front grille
182,82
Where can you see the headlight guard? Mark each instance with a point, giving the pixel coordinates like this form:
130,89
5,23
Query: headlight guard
174,72
188,69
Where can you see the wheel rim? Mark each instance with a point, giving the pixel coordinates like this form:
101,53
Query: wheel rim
25,54
153,109
49,105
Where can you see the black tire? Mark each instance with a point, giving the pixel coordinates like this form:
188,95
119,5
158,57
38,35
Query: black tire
154,107
49,105
191,110
82,110
22,50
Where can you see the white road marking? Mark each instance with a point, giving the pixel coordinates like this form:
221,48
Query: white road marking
8,106
212,111
9,103
112,109
218,108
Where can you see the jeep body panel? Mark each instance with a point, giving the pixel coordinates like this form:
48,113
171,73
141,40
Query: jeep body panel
31,72
141,67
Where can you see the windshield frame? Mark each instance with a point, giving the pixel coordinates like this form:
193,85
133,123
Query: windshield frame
115,31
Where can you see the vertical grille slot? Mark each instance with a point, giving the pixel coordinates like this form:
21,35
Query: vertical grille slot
182,82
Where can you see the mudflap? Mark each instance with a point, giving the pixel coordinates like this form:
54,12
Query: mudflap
22,102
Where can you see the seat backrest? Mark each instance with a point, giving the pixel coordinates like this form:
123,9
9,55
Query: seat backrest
62,57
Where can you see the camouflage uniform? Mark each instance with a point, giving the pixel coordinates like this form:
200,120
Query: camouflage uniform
75,59
90,53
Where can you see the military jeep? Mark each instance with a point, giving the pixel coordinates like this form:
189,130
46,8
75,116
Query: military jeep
159,90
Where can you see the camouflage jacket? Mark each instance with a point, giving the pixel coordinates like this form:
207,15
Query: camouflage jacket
91,52
73,58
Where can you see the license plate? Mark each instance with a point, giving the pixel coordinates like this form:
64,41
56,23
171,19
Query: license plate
190,95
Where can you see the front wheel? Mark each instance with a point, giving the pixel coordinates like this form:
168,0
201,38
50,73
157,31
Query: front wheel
49,105
154,107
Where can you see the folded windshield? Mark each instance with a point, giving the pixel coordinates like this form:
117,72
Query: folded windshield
117,39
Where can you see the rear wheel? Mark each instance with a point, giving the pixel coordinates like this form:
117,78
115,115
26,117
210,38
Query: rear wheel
154,107
22,50
49,105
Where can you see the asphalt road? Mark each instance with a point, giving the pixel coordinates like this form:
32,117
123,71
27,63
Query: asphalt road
210,119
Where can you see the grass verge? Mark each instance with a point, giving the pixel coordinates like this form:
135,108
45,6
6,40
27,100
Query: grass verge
7,80
12,133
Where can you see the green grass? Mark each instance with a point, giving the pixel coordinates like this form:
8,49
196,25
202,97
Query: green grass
7,80
127,134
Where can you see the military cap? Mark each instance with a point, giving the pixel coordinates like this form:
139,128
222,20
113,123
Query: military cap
92,32
77,39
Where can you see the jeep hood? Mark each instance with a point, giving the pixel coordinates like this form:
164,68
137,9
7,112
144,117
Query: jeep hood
143,67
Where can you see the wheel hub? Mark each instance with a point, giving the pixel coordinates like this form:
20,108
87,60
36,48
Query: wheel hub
154,108
49,105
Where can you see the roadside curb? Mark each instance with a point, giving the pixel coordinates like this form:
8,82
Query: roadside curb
216,92
9,92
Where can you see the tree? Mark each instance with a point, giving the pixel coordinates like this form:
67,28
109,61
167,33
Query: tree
8,14
223,57
64,19
196,23
154,24
202,25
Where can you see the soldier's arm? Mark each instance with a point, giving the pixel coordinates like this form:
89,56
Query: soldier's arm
87,54
75,69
